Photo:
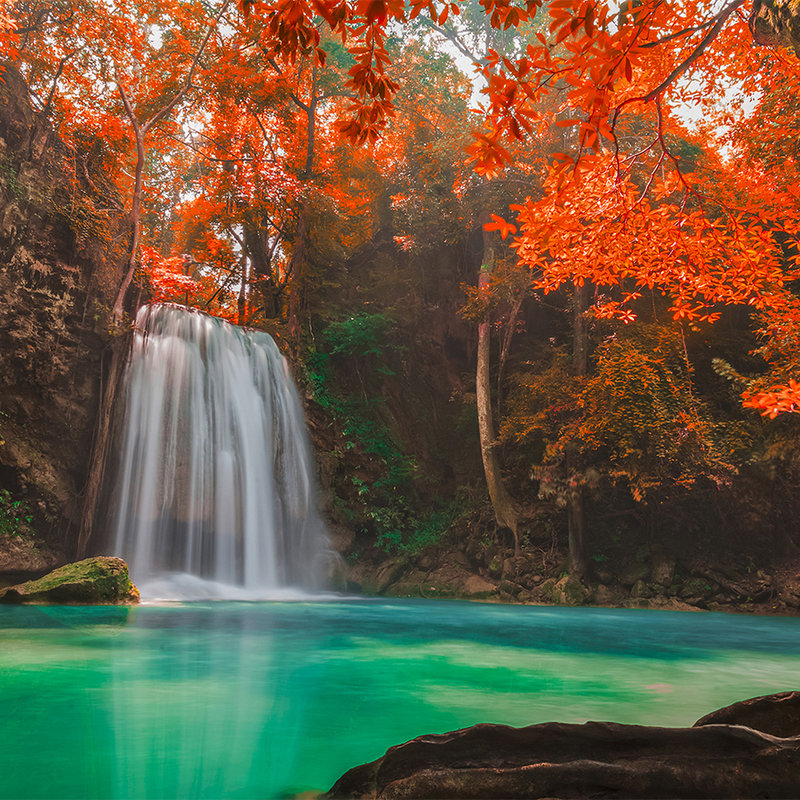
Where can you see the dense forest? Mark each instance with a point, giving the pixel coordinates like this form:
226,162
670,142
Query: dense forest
534,268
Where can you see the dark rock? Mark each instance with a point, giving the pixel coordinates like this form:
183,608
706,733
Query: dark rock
605,595
387,574
638,571
509,587
567,591
597,759
790,595
694,588
102,580
776,714
641,589
663,570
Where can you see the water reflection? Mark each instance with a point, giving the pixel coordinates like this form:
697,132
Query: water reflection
213,704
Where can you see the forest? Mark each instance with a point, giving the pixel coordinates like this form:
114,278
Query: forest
381,371
534,269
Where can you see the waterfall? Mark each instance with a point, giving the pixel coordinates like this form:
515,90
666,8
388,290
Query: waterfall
215,478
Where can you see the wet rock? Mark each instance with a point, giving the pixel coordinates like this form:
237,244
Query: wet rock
776,714
597,759
102,580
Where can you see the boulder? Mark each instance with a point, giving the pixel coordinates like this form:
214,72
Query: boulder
596,759
102,580
662,571
475,586
776,714
567,591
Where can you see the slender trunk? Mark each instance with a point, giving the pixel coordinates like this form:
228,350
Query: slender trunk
297,275
503,506
573,460
311,136
241,317
508,335
136,221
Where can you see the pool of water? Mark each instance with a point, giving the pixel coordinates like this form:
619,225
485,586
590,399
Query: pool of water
262,700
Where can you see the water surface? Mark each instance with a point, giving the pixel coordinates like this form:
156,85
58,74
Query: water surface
260,700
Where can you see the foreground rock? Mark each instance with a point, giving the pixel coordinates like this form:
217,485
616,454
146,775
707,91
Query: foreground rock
598,759
776,714
102,580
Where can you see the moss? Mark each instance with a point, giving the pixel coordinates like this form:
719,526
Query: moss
101,580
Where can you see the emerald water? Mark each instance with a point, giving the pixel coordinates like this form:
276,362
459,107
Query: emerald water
260,700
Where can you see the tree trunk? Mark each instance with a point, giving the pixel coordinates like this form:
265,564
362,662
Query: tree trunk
297,275
572,456
136,221
241,316
504,511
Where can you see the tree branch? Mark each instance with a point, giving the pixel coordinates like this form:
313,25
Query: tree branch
721,19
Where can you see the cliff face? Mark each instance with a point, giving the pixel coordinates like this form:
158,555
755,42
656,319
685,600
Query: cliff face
62,231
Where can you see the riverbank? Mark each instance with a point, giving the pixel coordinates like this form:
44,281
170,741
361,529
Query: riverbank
643,579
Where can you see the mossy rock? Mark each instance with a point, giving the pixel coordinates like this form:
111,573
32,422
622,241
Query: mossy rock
102,580
565,592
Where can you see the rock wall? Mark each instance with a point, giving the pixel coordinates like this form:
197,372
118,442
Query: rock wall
62,239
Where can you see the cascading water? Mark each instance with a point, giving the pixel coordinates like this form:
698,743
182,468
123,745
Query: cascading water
215,477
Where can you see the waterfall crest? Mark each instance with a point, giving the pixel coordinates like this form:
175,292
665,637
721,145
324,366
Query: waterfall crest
215,478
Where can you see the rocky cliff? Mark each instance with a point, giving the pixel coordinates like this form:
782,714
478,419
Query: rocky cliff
62,238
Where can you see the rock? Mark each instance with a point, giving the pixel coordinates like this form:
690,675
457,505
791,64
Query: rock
509,587
387,574
475,586
495,565
21,554
604,595
102,580
694,588
663,570
641,589
597,759
604,575
776,714
637,571
565,592
460,559
790,595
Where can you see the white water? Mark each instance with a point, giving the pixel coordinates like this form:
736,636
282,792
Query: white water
215,494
